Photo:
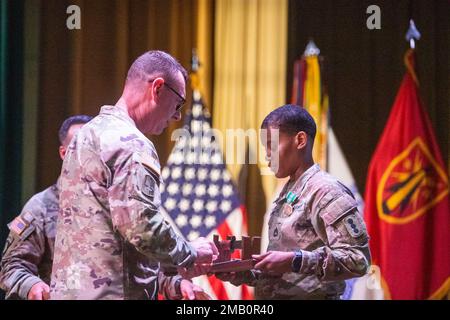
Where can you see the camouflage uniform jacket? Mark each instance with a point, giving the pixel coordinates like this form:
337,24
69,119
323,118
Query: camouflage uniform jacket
327,227
27,256
111,238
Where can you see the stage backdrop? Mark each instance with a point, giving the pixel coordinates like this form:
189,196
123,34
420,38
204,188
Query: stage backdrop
81,70
364,67
65,72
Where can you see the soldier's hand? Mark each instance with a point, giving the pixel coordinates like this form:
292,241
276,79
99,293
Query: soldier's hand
39,291
274,262
206,250
191,291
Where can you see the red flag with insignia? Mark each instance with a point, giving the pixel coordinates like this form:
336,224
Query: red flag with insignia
407,201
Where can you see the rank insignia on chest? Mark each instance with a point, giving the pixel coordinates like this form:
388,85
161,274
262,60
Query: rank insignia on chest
275,232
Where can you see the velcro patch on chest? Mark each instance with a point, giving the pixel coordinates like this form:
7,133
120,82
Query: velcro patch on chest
275,232
353,225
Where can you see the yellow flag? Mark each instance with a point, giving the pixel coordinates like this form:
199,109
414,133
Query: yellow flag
316,102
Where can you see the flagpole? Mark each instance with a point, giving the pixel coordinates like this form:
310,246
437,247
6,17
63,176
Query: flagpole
195,81
195,62
311,49
412,34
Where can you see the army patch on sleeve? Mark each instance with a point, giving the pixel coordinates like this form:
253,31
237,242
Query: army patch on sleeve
148,187
18,226
354,226
22,225
150,162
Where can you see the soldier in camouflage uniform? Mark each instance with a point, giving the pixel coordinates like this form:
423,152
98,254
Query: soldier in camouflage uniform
111,238
27,257
317,238
28,254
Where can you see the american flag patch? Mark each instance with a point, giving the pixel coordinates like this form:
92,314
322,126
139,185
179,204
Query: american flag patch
18,225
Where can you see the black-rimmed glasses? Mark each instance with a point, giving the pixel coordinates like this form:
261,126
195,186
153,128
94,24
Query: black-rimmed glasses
183,100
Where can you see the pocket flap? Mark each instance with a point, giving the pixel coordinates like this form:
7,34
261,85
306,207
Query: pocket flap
338,209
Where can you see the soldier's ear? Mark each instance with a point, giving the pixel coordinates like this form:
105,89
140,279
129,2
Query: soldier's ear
62,152
301,140
156,86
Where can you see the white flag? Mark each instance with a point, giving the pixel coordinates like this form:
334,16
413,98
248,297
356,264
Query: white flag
367,287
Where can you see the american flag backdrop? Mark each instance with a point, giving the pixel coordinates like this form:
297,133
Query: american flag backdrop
198,196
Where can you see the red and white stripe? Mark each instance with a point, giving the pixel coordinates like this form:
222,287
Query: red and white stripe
235,224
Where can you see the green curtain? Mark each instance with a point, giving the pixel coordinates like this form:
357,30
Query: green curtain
11,78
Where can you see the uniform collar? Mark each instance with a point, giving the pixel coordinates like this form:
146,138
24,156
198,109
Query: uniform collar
57,187
300,182
117,112
298,185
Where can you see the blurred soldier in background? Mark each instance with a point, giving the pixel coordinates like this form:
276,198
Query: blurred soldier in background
28,254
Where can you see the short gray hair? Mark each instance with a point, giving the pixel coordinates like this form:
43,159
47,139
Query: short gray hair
155,63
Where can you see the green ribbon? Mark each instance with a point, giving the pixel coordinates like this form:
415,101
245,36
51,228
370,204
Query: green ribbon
290,197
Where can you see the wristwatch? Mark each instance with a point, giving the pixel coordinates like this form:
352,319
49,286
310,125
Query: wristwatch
297,261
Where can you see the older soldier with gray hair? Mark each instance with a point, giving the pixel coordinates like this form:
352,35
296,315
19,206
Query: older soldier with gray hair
317,238
27,257
111,238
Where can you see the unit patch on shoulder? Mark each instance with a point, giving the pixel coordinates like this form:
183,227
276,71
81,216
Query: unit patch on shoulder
150,162
353,225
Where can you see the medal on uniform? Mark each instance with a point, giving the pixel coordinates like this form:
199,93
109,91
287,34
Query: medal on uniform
287,207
